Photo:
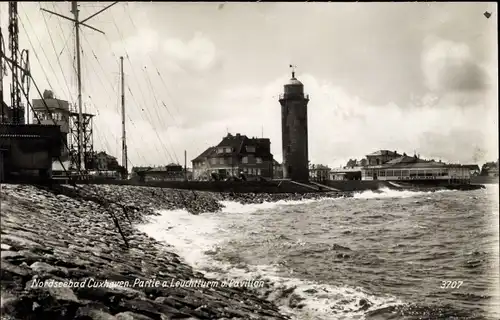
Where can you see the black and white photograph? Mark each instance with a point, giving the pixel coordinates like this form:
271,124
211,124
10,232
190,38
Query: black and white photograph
249,160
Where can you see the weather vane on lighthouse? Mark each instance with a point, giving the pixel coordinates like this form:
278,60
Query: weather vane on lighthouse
293,70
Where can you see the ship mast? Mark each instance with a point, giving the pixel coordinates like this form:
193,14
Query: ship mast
124,137
77,23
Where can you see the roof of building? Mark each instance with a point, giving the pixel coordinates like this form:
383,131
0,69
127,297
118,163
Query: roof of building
237,143
419,163
385,153
205,154
472,166
294,82
160,169
173,165
491,164
344,170
405,159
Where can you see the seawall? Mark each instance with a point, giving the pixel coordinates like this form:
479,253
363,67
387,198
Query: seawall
215,186
284,186
53,237
270,187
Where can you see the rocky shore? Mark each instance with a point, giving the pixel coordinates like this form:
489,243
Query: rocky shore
73,243
85,235
248,198
147,200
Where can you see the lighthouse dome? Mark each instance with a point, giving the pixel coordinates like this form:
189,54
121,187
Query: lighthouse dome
294,82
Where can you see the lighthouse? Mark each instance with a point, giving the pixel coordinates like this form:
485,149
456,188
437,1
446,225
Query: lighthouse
294,130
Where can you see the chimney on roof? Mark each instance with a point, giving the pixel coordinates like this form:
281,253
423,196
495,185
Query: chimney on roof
238,135
395,152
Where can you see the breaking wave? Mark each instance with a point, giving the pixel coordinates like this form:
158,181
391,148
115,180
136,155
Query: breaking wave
203,241
391,193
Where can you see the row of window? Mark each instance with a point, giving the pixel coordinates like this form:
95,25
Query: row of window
221,150
407,173
55,115
250,171
224,150
229,161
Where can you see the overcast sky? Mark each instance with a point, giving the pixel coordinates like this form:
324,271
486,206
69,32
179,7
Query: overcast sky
400,76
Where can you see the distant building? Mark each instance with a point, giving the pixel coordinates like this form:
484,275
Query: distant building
170,172
392,166
352,169
473,168
294,130
277,170
233,155
50,111
346,173
405,168
105,162
490,169
319,172
381,156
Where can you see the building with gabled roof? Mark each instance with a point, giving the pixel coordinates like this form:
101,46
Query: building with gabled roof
406,168
233,155
381,156
392,166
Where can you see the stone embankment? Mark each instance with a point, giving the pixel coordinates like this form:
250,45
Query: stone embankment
143,201
52,238
253,198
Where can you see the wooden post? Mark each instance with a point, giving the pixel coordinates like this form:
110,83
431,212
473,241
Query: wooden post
185,165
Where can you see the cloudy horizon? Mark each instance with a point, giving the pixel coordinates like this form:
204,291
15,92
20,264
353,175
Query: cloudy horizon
412,77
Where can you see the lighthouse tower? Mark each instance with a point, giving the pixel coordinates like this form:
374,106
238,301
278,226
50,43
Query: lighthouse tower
294,130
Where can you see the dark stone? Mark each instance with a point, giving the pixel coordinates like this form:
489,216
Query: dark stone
89,313
364,304
186,301
42,305
19,243
235,313
151,309
111,296
76,273
131,316
169,302
42,267
18,257
9,303
84,242
13,276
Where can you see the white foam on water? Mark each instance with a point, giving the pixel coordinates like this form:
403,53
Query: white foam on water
390,193
237,207
196,237
492,191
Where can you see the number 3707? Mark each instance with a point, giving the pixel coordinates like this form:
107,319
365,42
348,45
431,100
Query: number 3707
451,284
